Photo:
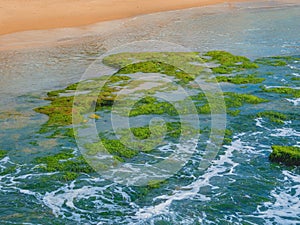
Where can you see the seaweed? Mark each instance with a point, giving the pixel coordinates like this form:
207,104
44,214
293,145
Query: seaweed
113,146
276,60
287,155
61,110
157,67
3,154
65,161
273,116
151,105
154,184
232,100
283,90
241,79
229,63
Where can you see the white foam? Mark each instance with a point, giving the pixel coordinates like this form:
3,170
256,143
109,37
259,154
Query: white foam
296,101
269,87
296,74
62,200
259,123
218,168
286,208
285,132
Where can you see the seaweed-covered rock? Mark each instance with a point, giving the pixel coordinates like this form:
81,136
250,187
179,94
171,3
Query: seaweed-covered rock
229,63
288,155
3,153
273,116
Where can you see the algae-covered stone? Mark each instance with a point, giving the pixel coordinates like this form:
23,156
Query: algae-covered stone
152,105
3,153
229,63
288,155
276,60
283,90
240,79
153,184
232,100
273,116
65,161
157,67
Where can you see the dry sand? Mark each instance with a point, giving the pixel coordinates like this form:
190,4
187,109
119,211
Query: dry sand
22,15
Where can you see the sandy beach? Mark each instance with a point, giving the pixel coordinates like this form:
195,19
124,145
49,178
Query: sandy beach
22,15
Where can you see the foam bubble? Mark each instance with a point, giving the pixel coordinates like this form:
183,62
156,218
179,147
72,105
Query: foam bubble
296,101
286,207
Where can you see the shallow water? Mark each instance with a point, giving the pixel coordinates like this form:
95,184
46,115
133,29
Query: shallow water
240,187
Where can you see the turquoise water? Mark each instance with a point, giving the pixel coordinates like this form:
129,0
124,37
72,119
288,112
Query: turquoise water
240,187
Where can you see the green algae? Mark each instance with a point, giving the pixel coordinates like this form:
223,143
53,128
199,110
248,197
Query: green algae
65,162
61,110
241,79
141,132
271,62
226,135
183,66
233,112
132,141
190,62
62,132
113,146
154,184
116,147
173,130
273,116
288,155
237,100
157,67
8,170
276,60
295,78
151,105
232,100
283,90
3,154
229,63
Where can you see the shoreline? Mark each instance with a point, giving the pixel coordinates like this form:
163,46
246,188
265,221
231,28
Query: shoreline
60,35
20,15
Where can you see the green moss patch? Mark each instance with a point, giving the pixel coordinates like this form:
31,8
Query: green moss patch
276,60
283,90
173,131
61,110
8,170
295,78
232,100
237,100
189,62
288,155
139,139
3,154
229,63
241,79
65,162
273,116
184,66
151,105
113,146
157,67
154,184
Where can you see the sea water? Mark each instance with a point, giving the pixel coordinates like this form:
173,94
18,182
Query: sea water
240,187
